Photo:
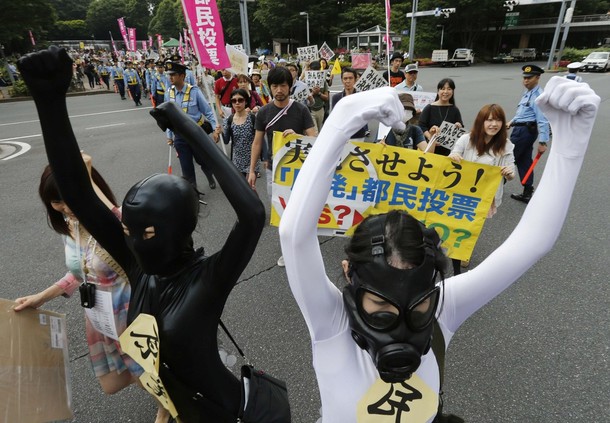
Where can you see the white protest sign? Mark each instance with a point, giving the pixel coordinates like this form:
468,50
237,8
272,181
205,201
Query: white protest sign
308,54
448,134
383,131
315,78
238,59
370,80
239,47
326,52
300,94
421,99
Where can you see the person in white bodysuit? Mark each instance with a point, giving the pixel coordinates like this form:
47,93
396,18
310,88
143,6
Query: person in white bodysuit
350,386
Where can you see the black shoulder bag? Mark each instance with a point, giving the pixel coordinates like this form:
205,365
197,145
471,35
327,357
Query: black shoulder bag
264,399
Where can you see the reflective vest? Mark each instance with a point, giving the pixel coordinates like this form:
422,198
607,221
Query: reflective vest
160,85
185,100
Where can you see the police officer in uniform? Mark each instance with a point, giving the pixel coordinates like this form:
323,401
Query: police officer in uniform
104,71
190,99
573,71
117,76
528,124
190,76
133,82
149,74
159,83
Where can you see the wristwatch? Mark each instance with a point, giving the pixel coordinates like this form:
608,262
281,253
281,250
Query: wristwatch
542,143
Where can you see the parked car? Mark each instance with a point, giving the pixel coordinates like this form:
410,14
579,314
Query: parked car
460,56
523,54
502,58
597,61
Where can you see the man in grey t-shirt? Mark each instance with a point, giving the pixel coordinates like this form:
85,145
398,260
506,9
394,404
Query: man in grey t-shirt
282,114
295,119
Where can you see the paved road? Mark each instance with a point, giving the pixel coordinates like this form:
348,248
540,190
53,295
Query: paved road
538,353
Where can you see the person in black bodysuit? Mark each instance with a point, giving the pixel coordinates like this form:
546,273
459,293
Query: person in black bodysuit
170,280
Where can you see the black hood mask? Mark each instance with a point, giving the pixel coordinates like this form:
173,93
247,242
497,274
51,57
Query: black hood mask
169,204
396,343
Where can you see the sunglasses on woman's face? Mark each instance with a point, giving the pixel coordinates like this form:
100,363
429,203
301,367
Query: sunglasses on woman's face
237,100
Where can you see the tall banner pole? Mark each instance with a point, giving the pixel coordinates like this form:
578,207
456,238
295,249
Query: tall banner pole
387,36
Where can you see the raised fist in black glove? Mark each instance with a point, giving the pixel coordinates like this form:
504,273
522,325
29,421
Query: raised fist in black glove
47,73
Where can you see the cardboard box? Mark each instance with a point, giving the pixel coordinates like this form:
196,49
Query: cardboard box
34,378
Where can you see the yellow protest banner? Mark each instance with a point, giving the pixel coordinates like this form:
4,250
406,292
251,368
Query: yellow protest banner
141,342
453,198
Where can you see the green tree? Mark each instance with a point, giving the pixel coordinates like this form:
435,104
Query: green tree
102,17
69,10
363,16
70,30
139,16
165,20
36,15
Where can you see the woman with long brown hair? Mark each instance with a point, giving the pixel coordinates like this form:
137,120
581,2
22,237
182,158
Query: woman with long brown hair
488,143
89,263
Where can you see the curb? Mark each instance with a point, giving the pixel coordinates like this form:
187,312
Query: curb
74,94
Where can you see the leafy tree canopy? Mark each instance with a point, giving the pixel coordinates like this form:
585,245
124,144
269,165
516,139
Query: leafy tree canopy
68,10
35,15
165,20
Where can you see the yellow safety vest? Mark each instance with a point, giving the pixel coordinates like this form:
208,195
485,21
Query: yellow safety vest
185,100
160,81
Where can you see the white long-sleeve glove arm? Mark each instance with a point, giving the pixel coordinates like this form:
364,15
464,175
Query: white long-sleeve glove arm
571,109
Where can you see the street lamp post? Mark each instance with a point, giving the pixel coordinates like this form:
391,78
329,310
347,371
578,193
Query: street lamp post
442,27
307,16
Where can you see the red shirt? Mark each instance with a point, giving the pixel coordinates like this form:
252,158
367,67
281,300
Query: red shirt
219,86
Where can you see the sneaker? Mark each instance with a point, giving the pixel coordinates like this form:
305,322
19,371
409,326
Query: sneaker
280,261
465,263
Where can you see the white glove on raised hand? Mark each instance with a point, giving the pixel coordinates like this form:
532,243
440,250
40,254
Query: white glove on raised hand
570,108
355,110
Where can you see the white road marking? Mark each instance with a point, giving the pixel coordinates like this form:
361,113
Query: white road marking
20,138
24,149
78,116
105,126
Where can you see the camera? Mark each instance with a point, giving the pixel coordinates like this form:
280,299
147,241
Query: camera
87,294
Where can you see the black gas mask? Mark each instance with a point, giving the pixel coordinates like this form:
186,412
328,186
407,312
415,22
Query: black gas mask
170,205
400,333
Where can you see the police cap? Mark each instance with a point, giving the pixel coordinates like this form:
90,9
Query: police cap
532,70
175,67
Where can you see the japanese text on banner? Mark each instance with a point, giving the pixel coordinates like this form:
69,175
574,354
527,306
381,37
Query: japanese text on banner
315,78
326,52
141,342
453,198
370,80
307,54
123,30
204,23
448,134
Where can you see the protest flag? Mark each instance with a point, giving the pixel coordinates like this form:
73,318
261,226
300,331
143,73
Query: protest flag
204,24
123,30
336,68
